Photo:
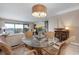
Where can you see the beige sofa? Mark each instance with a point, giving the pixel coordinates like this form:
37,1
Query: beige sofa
15,39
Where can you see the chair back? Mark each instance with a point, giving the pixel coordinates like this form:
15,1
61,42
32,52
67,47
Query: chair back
29,34
49,34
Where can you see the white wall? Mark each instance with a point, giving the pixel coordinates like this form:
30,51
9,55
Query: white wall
55,22
52,24
70,20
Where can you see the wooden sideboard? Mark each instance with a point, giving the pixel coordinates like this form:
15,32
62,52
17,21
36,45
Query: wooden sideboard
62,34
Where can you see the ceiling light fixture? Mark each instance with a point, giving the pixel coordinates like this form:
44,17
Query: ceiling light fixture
39,11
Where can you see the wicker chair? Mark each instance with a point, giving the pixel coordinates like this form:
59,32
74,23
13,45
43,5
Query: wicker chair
5,48
28,34
53,49
49,34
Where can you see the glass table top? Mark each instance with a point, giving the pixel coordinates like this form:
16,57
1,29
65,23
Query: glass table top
34,42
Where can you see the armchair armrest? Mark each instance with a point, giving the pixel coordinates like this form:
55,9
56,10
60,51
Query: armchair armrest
5,48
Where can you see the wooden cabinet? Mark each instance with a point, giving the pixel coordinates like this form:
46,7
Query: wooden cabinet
61,34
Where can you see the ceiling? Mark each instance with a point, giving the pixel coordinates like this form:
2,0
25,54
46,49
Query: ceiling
23,11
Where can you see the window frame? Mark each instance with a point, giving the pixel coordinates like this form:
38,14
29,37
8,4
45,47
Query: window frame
14,26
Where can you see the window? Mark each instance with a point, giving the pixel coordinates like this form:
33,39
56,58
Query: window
9,28
13,28
18,28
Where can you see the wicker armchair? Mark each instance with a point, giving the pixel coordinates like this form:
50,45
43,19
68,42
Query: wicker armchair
6,49
49,34
28,34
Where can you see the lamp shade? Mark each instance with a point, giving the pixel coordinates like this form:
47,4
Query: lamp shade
39,10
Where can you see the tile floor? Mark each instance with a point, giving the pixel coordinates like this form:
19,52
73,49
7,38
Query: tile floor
70,49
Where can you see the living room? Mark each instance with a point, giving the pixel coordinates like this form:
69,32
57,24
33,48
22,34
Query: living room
39,28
